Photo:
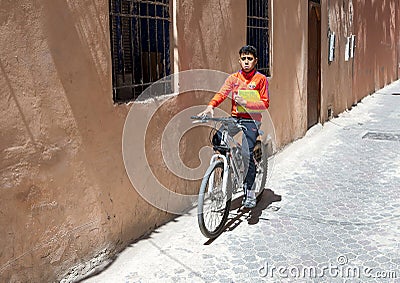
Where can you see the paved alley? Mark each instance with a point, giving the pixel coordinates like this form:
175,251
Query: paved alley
330,213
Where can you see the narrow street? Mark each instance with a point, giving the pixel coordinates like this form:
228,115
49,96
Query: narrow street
330,213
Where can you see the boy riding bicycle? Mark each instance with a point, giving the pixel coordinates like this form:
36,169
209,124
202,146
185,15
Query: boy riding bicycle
249,93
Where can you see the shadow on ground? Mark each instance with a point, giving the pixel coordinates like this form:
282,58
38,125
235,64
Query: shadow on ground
238,214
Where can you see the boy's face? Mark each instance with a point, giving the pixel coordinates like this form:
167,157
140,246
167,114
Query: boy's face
247,62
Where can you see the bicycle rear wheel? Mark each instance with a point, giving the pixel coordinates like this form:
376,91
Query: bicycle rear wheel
214,201
261,161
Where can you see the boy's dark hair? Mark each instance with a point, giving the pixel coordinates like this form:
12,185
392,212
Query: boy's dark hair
248,49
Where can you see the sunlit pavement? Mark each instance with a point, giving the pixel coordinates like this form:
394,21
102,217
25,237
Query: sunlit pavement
330,213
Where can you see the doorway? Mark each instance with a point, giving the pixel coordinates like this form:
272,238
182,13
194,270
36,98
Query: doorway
314,64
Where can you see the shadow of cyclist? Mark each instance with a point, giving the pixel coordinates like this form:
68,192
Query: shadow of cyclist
267,198
237,217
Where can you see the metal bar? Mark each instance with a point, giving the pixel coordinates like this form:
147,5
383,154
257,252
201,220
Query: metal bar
135,46
168,37
137,85
148,44
111,22
121,42
152,2
257,18
140,42
164,43
257,27
139,16
132,43
248,22
250,19
156,36
167,44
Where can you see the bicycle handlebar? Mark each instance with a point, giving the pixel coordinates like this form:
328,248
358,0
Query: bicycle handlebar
224,120
219,119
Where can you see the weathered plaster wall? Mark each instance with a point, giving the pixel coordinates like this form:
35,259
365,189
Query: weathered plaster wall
376,51
288,83
376,45
336,88
210,34
65,196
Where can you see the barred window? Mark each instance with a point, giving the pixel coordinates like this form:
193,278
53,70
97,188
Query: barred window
140,45
258,32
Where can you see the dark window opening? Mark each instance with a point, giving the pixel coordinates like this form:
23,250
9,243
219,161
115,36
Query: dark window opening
140,45
258,32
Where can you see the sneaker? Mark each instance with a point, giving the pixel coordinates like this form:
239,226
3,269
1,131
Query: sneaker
250,202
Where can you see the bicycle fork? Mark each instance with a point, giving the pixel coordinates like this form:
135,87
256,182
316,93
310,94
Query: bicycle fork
225,177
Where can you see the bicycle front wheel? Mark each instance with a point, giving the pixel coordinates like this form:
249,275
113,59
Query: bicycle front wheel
214,201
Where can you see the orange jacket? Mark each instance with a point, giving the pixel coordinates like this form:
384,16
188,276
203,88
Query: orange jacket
244,81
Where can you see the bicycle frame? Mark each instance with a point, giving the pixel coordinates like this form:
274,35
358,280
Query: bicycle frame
231,168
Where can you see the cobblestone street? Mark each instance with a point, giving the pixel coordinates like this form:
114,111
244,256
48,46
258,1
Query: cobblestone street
330,213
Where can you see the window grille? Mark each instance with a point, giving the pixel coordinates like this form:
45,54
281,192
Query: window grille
140,45
258,32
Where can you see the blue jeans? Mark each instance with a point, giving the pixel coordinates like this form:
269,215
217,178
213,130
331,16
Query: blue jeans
249,138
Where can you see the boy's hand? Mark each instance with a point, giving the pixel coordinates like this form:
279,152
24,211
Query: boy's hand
240,100
209,110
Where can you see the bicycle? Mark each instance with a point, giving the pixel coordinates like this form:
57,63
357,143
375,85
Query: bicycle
224,177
